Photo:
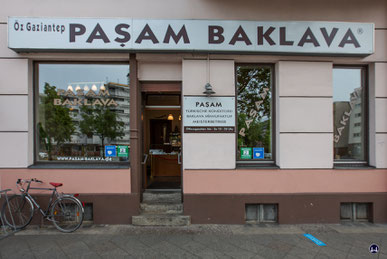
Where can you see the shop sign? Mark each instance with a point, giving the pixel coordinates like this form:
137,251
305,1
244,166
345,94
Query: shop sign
110,151
209,114
40,34
122,151
246,153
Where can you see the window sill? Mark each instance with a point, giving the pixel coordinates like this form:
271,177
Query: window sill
346,166
78,166
257,166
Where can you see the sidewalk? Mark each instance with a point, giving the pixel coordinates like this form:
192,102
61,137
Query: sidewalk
199,241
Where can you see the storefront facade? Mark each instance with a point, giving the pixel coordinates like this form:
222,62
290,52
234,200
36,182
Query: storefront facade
254,113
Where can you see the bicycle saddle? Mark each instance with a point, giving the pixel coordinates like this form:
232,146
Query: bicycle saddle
56,184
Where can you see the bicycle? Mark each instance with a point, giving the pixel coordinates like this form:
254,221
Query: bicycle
66,212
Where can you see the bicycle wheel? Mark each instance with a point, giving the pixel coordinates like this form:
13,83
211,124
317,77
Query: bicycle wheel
67,214
18,212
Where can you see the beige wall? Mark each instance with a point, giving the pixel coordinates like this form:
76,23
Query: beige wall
14,112
305,117
269,181
214,150
294,10
380,82
87,181
159,71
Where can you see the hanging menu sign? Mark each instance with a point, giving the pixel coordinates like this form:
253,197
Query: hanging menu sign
209,114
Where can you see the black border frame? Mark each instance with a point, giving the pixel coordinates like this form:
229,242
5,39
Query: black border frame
364,73
69,164
258,163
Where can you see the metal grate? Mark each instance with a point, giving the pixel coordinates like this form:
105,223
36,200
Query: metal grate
261,213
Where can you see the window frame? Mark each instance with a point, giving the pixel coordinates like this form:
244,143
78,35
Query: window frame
364,74
69,164
258,163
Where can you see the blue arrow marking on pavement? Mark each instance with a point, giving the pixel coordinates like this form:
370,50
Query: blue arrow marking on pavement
314,240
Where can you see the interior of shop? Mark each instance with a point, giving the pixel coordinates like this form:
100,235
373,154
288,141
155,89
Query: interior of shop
162,141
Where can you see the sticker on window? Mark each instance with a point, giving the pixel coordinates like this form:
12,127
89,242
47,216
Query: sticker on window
258,153
246,153
122,151
110,151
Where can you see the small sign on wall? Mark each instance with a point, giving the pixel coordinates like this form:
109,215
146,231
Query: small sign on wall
209,114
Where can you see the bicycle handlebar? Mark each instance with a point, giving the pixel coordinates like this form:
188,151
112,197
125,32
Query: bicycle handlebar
19,181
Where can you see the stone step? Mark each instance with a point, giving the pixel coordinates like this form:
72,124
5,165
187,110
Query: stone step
161,197
161,220
161,208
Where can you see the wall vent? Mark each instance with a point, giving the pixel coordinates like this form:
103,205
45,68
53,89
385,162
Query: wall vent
355,211
261,213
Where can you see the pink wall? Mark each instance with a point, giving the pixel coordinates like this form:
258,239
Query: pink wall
74,180
284,181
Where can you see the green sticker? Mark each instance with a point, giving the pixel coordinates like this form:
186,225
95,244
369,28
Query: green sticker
122,151
246,153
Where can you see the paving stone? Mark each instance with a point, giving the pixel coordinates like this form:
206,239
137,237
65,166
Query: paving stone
331,253
241,254
214,241
77,249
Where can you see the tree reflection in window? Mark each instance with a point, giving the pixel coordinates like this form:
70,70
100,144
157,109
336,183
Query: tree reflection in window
81,109
254,108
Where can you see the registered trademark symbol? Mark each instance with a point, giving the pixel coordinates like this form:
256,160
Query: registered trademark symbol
360,31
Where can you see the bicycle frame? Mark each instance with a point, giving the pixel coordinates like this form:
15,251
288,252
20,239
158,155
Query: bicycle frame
36,204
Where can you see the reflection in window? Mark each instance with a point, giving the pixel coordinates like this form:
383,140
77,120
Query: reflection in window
82,113
254,108
348,108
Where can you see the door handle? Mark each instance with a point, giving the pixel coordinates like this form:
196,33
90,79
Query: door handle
179,158
146,158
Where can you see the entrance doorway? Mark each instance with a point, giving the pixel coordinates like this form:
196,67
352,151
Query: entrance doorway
161,126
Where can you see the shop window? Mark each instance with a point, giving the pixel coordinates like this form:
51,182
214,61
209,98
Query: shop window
349,108
254,112
82,113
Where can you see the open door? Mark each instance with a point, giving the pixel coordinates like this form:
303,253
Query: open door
161,131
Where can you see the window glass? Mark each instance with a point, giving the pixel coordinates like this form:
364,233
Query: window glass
254,111
82,113
348,108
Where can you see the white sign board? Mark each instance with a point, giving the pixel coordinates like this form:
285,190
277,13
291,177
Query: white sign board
208,114
48,34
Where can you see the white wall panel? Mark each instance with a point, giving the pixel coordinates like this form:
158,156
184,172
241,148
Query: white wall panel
381,115
4,50
306,150
14,149
221,76
305,78
13,113
13,76
208,151
381,79
306,115
381,150
160,71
